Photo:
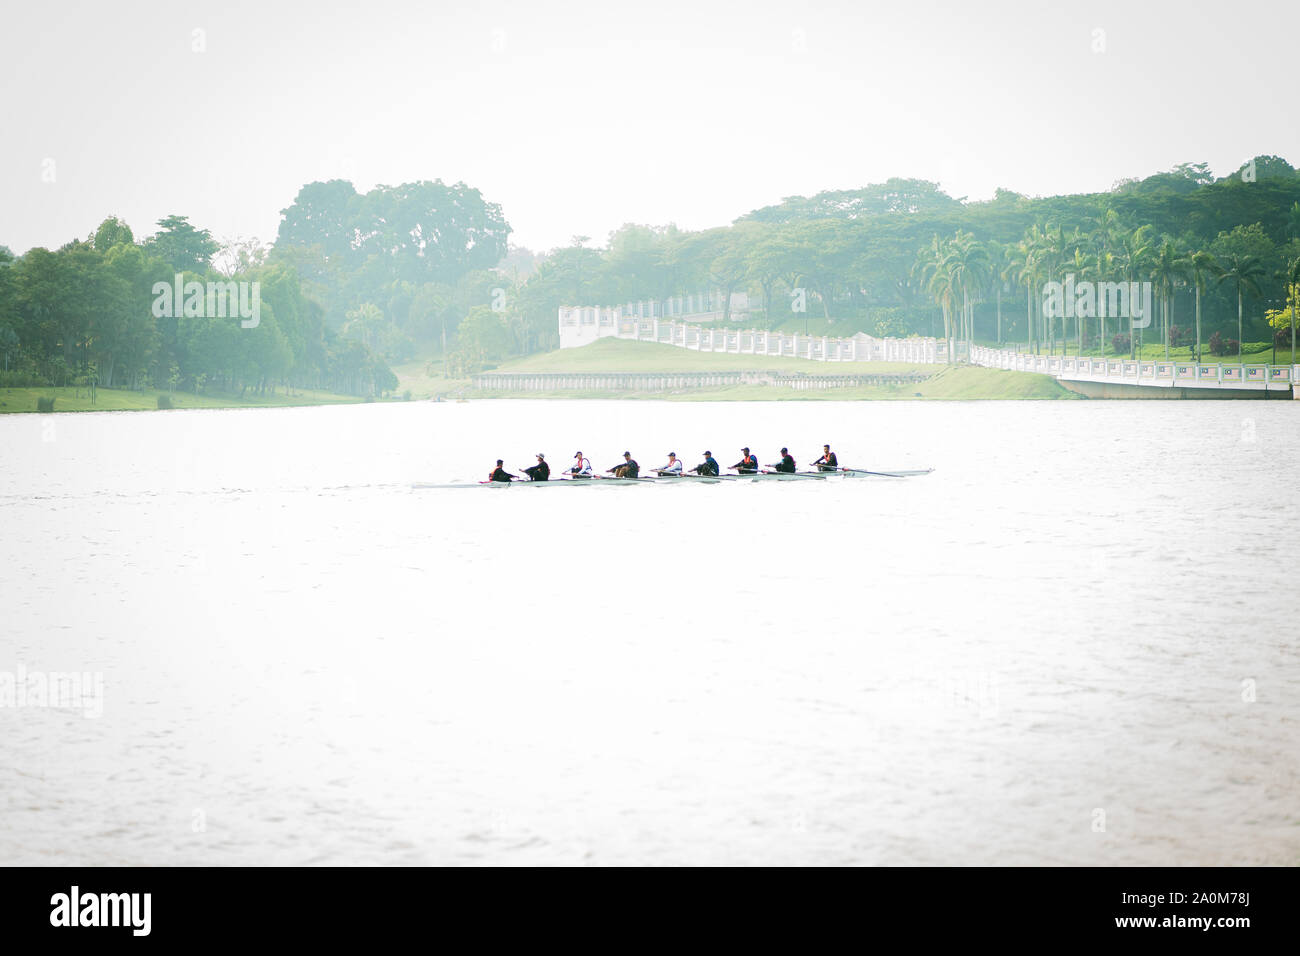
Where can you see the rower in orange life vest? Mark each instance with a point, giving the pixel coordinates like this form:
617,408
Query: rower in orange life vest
747,465
500,474
786,465
581,467
828,461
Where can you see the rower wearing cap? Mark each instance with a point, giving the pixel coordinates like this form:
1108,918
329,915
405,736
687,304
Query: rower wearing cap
629,468
581,467
747,465
707,467
500,474
674,467
828,461
786,465
540,471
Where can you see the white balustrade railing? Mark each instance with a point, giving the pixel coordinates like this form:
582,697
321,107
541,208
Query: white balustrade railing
1141,371
920,350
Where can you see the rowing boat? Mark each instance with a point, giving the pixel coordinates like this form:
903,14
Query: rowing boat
603,481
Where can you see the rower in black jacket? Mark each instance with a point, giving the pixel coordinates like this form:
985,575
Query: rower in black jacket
747,465
540,471
500,474
708,467
786,465
629,468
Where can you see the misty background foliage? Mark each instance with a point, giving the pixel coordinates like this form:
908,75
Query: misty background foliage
358,282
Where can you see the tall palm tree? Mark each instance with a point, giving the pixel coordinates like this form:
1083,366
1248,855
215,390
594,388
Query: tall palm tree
1061,247
1133,249
942,289
997,275
1040,245
1015,269
1167,266
1028,267
968,264
1244,272
928,271
1201,265
1102,269
1080,266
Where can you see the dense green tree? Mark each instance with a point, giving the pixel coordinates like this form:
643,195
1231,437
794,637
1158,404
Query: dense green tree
184,247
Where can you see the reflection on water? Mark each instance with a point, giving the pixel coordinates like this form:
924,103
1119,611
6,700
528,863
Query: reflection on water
1070,644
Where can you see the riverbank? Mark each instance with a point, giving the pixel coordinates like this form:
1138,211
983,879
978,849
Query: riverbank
71,399
941,382
946,383
422,380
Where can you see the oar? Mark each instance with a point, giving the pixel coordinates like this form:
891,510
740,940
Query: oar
886,474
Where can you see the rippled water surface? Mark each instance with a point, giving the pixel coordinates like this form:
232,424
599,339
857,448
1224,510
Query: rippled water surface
1073,643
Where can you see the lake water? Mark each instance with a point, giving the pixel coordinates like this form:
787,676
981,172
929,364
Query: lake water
1073,643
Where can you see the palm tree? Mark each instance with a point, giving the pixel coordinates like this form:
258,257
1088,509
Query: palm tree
1244,272
968,263
1167,266
1201,265
941,287
1133,250
1080,265
1103,267
927,272
997,267
1039,248
1024,267
1014,267
1061,247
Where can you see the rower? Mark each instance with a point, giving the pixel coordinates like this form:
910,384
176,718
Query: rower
828,461
581,467
747,465
786,465
629,468
500,474
674,467
540,471
707,467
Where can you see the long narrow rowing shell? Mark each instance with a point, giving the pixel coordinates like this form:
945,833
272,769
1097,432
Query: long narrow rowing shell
603,482
594,482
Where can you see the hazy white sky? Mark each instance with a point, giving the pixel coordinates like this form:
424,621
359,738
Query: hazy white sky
577,117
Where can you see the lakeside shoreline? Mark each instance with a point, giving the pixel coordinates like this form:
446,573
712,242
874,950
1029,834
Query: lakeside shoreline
70,399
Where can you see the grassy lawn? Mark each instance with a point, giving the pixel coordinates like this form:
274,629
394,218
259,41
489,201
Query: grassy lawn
119,400
622,355
423,378
945,384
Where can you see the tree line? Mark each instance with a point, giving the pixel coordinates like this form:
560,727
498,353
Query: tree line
357,282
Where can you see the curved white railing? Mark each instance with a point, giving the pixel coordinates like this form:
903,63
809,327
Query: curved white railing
1159,374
